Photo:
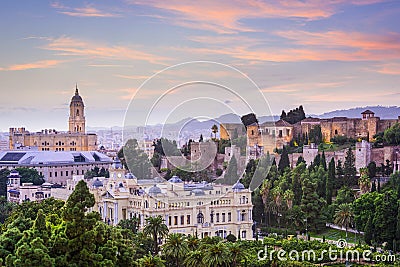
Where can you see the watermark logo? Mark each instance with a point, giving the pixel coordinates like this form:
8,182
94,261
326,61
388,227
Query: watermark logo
341,243
338,252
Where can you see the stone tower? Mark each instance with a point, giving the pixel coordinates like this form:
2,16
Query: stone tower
363,154
76,114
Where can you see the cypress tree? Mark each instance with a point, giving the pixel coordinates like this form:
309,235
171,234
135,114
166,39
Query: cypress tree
323,160
231,176
330,181
350,170
379,185
373,188
284,161
300,160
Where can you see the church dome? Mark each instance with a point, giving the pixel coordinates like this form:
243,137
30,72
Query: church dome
198,192
97,183
238,186
154,190
175,179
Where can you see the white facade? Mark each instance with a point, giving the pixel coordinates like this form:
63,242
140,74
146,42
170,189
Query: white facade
27,191
188,208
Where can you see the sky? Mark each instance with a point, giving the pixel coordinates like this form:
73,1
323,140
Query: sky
322,54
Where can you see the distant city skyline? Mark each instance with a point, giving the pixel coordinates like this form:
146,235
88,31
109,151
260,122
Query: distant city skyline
324,55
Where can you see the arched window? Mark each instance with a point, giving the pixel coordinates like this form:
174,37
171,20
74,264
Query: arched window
336,132
200,218
77,112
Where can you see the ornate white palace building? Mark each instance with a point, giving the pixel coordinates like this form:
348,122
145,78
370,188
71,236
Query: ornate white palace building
202,209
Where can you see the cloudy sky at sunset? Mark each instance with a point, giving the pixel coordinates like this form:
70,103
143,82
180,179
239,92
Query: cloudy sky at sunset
324,54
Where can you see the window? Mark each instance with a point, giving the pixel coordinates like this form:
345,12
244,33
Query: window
66,173
200,218
243,234
182,220
55,174
243,216
175,220
188,219
217,219
169,220
223,217
280,133
336,132
50,174
229,216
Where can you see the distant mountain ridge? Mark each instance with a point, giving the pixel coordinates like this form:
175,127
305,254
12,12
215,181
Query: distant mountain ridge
383,112
392,112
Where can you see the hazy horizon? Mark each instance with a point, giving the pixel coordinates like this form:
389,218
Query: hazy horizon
323,55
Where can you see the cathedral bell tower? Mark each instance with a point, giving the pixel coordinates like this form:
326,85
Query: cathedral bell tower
76,114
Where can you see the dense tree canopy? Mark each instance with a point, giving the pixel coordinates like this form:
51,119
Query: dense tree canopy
294,116
391,135
135,160
30,175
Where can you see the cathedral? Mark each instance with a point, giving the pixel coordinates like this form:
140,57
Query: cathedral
76,139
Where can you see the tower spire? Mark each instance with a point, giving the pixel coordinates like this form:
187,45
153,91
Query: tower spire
76,89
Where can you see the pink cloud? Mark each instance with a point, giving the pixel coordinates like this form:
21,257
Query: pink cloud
300,87
42,64
309,46
227,16
343,39
389,68
86,11
132,77
66,46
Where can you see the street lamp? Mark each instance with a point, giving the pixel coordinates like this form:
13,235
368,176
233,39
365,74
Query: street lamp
305,220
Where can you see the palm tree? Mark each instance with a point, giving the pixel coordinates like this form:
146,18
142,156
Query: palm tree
277,197
156,228
194,258
344,215
214,129
236,253
193,242
289,196
265,188
364,181
216,255
264,192
176,248
151,261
